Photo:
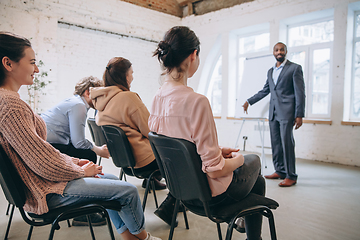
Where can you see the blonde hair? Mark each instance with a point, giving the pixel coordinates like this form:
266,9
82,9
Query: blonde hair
85,83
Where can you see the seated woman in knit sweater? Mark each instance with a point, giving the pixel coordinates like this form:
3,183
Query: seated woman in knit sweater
120,107
177,111
54,179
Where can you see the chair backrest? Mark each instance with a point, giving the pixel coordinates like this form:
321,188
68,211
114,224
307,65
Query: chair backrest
119,146
96,132
180,165
10,181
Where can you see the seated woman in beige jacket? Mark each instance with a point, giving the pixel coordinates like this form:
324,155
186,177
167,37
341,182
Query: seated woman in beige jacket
120,107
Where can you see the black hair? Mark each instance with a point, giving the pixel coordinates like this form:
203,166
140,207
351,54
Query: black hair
13,47
178,43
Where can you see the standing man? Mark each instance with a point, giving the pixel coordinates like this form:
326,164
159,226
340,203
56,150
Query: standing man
65,123
285,82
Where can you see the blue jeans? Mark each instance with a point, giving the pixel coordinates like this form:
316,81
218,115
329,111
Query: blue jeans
108,187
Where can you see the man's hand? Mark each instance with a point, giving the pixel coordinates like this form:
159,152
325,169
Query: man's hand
104,151
227,152
101,151
245,106
298,122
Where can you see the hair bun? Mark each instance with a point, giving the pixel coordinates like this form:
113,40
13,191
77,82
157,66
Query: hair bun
164,48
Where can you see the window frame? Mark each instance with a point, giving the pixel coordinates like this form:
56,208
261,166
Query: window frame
354,41
309,64
247,55
209,82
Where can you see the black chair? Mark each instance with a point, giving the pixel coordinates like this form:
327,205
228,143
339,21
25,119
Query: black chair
96,134
99,139
14,191
122,156
180,165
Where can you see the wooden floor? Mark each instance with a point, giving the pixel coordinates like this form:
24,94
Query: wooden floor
324,205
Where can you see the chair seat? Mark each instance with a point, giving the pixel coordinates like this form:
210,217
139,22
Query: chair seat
80,209
226,213
139,174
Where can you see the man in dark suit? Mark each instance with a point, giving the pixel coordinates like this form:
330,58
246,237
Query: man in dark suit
286,85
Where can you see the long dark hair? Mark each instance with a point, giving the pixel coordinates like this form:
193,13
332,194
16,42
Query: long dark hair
115,73
178,43
13,47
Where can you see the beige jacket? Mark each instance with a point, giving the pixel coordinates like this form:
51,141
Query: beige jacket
125,109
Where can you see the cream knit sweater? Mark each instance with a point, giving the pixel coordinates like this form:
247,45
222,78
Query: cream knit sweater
43,169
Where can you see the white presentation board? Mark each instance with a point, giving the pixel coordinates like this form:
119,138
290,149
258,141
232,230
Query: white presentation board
253,80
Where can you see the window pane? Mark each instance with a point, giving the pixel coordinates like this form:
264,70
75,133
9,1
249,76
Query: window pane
298,57
241,69
214,90
321,81
256,43
357,34
311,33
319,103
355,106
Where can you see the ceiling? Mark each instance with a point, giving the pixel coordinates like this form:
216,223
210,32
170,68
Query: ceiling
183,8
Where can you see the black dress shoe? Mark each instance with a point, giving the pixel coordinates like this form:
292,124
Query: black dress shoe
96,220
166,210
158,184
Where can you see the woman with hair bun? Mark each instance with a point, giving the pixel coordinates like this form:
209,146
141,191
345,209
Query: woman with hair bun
177,111
118,106
52,179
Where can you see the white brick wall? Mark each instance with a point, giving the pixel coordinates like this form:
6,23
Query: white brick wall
74,52
83,52
86,52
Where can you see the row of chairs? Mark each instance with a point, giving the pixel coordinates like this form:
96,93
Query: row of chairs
121,154
179,164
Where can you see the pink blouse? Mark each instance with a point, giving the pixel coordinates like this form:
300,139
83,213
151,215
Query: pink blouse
180,112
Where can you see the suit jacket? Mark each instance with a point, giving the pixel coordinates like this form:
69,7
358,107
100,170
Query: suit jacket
287,96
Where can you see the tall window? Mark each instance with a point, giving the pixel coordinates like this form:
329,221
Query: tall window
355,83
310,45
214,89
248,46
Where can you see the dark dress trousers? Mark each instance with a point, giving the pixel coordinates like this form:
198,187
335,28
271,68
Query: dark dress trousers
287,101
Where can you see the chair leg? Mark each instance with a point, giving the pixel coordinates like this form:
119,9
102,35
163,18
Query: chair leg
176,209
68,223
9,222
30,232
122,174
185,218
54,226
230,228
52,230
153,187
8,208
111,232
219,231
265,212
90,226
146,194
268,213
